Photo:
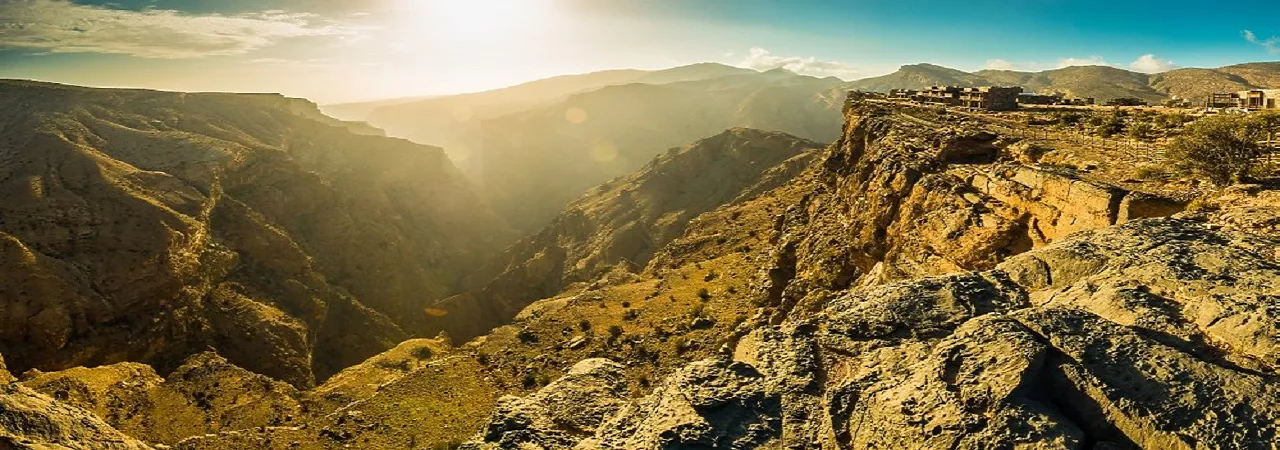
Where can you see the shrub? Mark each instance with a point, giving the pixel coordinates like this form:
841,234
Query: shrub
711,275
615,332
1149,172
698,310
704,294
423,353
1141,130
1221,148
527,337
1066,119
1107,126
584,325
1172,120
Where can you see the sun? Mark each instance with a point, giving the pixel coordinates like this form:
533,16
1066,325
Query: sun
467,19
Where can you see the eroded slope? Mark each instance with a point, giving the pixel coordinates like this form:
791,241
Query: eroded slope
148,226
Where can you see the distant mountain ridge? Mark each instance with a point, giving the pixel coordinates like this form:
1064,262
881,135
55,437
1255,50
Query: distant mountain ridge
537,161
1100,82
453,122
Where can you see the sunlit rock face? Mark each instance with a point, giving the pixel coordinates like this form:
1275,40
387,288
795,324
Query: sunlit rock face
914,300
148,226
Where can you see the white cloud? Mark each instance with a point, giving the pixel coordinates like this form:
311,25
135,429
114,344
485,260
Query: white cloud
761,59
1272,44
1036,66
60,26
1149,63
1094,60
1000,64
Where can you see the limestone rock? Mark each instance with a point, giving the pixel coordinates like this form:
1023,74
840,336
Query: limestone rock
712,403
1158,333
206,394
31,421
5,376
559,413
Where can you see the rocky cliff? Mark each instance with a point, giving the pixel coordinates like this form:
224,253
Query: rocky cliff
149,226
624,222
924,294
1159,333
916,285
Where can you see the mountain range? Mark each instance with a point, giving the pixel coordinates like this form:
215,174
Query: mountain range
1099,82
146,226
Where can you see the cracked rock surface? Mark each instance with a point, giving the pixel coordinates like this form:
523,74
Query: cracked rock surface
1159,334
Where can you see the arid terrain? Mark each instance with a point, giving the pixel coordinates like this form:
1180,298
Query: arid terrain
225,271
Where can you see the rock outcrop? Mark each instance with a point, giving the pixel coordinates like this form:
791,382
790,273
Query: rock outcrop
205,395
5,376
1159,333
624,222
924,296
31,421
149,226
909,192
557,414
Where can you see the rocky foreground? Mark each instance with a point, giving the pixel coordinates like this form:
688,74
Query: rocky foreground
1161,333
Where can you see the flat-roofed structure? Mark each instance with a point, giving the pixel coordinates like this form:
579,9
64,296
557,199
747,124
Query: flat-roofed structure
1026,98
1222,100
990,98
1256,99
940,95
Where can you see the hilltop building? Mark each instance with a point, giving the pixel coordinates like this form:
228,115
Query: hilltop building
1253,100
1027,98
990,98
1222,100
1259,99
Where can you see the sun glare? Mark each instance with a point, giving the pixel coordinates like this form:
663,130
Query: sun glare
492,19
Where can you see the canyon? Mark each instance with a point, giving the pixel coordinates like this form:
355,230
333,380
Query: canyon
919,282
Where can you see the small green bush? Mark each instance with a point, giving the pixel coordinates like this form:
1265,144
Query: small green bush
1222,148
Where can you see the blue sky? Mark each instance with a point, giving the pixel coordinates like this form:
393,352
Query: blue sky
341,50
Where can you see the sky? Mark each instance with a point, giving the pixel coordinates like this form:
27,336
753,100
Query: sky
348,50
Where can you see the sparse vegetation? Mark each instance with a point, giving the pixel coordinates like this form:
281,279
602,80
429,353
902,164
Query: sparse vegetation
423,353
1222,149
527,337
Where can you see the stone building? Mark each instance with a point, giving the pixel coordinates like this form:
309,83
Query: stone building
990,98
1259,99
1028,98
1222,100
